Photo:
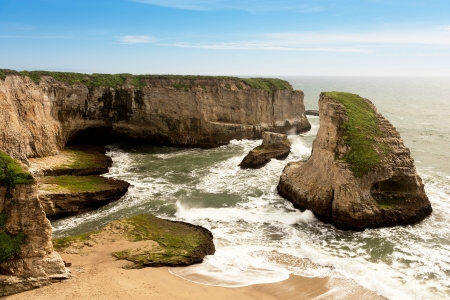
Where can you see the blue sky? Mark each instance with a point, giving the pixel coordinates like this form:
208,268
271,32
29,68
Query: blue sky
228,37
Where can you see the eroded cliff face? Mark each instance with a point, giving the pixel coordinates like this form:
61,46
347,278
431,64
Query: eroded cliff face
36,264
375,186
40,119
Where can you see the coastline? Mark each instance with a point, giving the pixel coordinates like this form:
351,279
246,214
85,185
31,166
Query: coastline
97,275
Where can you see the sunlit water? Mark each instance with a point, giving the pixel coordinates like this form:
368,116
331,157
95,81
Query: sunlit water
261,238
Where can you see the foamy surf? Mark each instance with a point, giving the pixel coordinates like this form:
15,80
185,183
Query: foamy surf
260,237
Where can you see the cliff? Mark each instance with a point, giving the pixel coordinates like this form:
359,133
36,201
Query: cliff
42,111
27,259
360,174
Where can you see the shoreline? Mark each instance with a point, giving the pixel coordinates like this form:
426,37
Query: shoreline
97,275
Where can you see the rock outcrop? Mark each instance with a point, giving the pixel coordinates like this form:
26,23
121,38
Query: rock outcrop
27,259
360,175
41,116
65,196
146,241
274,145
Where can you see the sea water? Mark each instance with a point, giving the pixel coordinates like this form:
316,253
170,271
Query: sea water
261,238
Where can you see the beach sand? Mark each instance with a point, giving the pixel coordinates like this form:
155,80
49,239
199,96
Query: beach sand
98,275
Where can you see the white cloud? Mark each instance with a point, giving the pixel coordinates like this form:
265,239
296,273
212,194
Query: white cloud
135,39
445,28
367,42
268,45
248,5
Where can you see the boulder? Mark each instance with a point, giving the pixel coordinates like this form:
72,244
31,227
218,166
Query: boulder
360,174
274,145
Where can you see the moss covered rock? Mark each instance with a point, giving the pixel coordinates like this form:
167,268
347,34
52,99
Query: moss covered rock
360,174
152,242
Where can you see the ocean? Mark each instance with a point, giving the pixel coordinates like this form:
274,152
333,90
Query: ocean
261,238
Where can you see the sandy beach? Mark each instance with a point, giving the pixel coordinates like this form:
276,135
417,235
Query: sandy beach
98,275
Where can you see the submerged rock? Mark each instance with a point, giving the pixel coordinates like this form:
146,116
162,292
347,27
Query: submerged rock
274,145
360,175
27,259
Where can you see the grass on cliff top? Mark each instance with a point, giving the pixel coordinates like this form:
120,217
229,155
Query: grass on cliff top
11,173
138,81
9,244
57,184
360,133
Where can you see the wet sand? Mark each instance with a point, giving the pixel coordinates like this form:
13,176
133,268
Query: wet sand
97,275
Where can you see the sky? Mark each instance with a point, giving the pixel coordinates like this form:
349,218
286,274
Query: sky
228,37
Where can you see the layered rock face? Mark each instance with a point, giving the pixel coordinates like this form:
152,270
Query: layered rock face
360,175
36,264
41,118
274,145
59,203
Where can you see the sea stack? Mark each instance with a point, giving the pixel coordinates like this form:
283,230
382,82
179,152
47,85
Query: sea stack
274,145
360,174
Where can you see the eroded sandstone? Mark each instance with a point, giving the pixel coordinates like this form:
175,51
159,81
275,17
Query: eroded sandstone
360,174
34,263
39,119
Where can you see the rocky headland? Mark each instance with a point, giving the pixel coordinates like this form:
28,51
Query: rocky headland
274,145
43,111
360,175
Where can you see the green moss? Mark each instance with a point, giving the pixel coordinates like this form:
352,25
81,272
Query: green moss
84,159
270,85
11,173
183,86
177,241
74,183
138,81
228,86
60,244
9,244
360,133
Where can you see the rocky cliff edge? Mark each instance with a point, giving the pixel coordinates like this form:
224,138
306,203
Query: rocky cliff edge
42,111
360,175
27,259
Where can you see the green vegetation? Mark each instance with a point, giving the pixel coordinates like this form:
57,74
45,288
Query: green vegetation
60,244
228,86
11,173
183,86
74,184
360,133
178,242
138,81
270,85
83,159
10,244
